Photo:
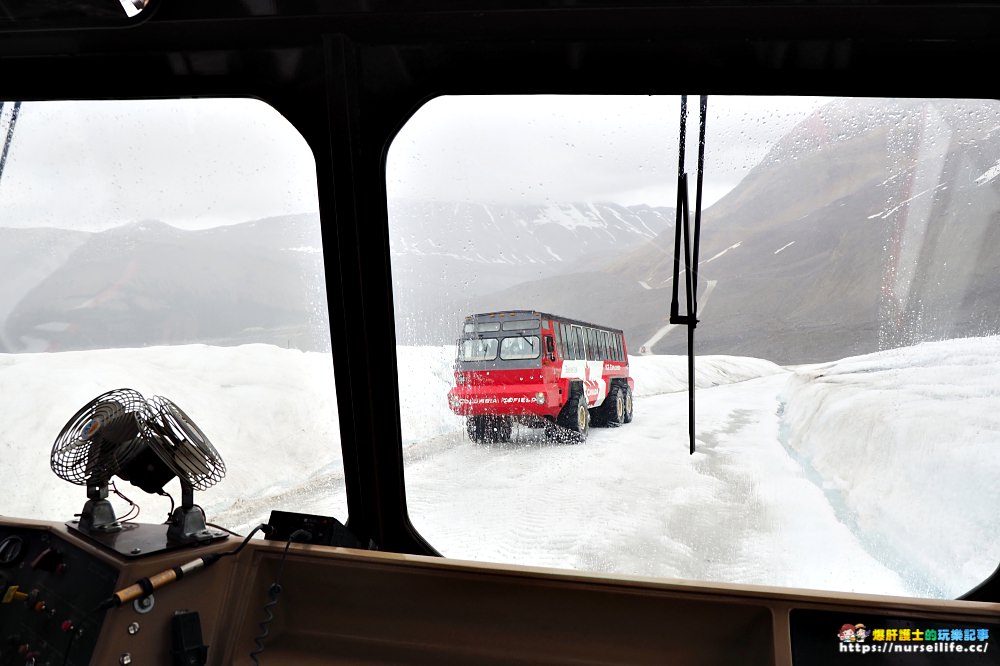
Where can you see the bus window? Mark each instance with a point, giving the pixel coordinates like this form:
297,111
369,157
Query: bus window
483,349
483,327
581,343
519,347
173,246
888,357
521,325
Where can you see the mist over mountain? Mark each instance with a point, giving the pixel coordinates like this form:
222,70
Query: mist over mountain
28,256
447,257
870,226
149,283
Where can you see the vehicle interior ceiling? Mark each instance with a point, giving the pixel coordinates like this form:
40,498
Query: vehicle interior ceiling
348,75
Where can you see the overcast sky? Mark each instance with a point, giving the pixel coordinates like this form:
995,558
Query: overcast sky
588,148
191,163
204,162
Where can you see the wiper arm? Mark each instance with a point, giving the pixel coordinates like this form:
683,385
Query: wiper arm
683,223
10,134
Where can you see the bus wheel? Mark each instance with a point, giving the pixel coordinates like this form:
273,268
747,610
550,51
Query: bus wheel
489,428
614,408
575,417
628,405
475,426
502,428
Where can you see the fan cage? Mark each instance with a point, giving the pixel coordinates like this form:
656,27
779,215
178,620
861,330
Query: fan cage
182,445
100,438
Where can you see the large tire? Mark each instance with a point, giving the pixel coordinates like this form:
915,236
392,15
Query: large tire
613,408
503,427
489,429
575,418
475,426
628,405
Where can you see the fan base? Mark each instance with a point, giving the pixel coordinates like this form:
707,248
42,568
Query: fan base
136,540
187,526
98,517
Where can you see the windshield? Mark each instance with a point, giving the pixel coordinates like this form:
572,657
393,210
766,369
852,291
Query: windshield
848,289
484,349
520,347
172,247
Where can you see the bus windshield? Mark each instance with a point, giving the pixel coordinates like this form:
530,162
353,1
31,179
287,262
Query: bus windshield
847,347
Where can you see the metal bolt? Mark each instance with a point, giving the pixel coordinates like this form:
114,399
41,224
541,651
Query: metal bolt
125,659
133,629
144,605
136,551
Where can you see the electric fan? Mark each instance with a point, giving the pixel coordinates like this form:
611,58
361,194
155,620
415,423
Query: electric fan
98,442
147,443
189,455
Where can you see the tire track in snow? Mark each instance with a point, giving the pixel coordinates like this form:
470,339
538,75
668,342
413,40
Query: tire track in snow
630,500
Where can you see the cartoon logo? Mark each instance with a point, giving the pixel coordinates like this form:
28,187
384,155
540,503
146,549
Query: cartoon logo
853,633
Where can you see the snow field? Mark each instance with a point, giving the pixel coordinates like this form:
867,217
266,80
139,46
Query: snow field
872,474
909,441
270,412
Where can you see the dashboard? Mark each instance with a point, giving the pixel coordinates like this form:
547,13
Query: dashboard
49,586
347,606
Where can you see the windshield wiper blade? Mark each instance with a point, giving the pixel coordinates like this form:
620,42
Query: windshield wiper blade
10,134
683,224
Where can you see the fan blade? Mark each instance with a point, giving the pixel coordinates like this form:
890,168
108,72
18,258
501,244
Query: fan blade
100,437
182,445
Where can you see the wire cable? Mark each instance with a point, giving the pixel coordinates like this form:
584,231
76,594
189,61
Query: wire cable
163,493
74,629
132,505
273,592
224,529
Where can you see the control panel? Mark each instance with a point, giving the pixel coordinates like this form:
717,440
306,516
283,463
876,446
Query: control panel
49,595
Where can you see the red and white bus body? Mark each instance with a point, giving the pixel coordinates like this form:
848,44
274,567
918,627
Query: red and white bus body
527,365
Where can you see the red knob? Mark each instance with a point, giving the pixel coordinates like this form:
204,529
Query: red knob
67,625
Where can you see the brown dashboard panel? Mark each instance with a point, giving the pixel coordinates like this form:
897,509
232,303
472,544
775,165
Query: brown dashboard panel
341,606
356,607
67,576
371,608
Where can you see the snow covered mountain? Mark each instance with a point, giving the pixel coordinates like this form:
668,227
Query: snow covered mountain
149,283
446,256
519,235
870,226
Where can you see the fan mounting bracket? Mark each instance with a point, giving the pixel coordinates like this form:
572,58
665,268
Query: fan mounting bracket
136,540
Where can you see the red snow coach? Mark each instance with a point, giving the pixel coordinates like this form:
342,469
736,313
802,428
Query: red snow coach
540,370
